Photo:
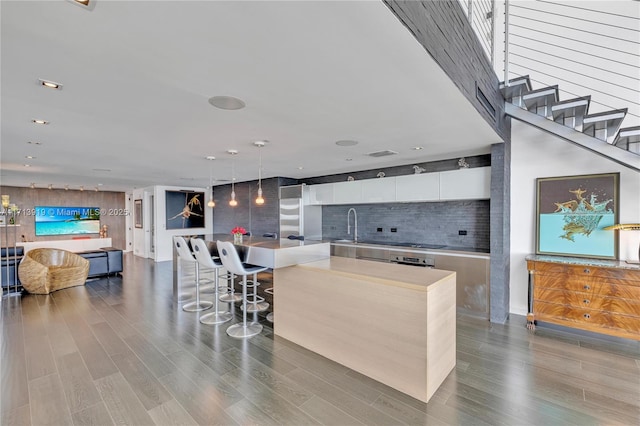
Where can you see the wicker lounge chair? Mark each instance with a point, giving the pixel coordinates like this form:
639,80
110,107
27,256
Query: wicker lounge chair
45,270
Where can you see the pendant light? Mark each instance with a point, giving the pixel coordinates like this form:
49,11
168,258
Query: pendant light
233,202
211,203
260,199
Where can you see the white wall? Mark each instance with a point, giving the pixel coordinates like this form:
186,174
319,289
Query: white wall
163,236
534,154
139,233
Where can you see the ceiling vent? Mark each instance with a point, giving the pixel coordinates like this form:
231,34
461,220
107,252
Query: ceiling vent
384,153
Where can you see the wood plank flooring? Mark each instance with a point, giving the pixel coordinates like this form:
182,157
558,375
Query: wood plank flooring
119,350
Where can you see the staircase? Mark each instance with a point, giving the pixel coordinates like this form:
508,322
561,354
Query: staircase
570,120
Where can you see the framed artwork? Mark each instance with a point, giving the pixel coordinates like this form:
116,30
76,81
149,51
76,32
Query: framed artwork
137,213
571,213
184,209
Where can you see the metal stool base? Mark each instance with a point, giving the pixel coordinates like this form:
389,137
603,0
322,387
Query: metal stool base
270,317
197,307
216,318
235,297
256,307
238,331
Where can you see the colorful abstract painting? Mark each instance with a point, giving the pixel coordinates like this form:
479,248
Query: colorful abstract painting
572,212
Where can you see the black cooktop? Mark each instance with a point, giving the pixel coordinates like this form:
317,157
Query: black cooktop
404,244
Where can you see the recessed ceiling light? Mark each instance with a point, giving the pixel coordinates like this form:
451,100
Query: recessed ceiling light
34,143
417,148
30,157
232,151
300,167
27,165
348,159
210,157
38,121
50,84
346,142
99,184
227,102
101,170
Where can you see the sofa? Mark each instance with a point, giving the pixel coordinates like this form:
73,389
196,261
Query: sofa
15,256
44,270
104,261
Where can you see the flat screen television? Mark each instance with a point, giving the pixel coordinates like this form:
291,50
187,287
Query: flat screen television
62,220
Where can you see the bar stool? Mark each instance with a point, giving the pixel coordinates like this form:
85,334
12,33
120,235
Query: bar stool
231,261
270,314
201,252
230,295
185,254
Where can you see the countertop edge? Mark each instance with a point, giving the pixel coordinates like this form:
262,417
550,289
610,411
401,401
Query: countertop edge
384,281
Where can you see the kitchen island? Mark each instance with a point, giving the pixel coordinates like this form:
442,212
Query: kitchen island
393,323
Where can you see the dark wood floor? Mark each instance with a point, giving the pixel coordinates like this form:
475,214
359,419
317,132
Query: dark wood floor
120,351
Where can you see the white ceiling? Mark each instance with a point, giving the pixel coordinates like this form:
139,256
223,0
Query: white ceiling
137,76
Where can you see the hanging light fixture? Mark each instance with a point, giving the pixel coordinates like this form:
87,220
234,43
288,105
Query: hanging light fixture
260,199
211,203
233,202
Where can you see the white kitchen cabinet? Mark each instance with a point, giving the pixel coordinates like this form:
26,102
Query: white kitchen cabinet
422,187
466,184
347,192
321,194
379,190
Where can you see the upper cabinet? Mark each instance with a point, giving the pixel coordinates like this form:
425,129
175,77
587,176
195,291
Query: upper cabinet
381,190
422,187
321,194
349,192
466,184
463,184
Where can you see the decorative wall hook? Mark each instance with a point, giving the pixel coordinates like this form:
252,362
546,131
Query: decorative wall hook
417,170
462,163
381,174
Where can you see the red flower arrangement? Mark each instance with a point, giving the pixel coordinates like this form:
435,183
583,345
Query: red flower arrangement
239,230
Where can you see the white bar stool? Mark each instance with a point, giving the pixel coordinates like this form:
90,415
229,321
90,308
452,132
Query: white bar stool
231,261
230,294
185,254
201,252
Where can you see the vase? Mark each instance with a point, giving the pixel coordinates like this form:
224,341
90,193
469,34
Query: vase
237,238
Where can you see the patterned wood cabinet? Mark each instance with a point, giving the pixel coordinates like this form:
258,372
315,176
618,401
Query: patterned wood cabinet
593,295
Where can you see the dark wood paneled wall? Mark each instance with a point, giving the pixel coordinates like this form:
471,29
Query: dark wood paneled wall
112,205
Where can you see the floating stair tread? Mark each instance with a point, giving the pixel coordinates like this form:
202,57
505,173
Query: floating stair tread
627,136
617,114
541,97
516,87
609,121
577,108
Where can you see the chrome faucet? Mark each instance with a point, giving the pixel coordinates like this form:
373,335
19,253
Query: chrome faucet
355,224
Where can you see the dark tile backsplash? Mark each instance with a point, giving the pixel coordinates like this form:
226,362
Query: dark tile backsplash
422,223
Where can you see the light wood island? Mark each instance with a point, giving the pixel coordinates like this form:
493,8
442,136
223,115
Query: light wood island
393,323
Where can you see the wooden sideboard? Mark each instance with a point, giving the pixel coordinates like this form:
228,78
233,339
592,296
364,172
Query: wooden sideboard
589,294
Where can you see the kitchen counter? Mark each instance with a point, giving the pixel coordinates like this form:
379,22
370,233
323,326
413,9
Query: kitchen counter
276,253
472,267
425,248
393,323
